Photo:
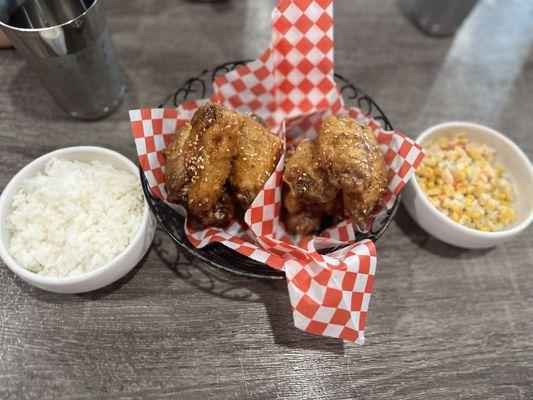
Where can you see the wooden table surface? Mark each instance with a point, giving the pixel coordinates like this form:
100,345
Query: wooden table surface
443,322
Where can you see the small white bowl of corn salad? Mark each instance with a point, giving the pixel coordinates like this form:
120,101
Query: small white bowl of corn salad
474,188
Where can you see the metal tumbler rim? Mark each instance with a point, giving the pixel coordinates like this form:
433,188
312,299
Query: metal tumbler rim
88,10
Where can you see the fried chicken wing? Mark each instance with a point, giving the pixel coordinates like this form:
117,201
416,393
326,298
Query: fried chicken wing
298,218
210,150
350,155
221,214
177,177
303,223
218,158
198,163
308,196
258,152
305,178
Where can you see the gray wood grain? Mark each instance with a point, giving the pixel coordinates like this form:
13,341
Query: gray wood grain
443,322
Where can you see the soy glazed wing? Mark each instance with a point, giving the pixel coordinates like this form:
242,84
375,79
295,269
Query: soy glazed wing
349,153
340,175
217,165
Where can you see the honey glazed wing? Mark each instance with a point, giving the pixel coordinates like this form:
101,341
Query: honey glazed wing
307,196
258,151
177,177
210,149
349,153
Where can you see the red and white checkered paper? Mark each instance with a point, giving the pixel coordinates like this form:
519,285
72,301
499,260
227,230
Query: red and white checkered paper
292,87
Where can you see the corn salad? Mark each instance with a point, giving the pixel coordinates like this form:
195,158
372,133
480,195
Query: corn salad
462,181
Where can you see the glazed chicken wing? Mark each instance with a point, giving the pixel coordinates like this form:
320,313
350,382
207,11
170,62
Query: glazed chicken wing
210,150
305,178
198,163
308,196
220,214
257,154
298,218
177,177
350,155
221,156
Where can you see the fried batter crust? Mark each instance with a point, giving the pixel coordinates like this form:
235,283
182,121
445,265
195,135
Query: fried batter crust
307,196
305,178
298,218
258,152
219,157
349,153
210,150
177,177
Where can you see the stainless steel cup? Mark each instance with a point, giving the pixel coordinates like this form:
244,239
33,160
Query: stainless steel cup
68,45
437,17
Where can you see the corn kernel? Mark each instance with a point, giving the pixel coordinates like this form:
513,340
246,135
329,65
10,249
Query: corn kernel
483,199
491,205
434,192
448,190
457,207
474,154
476,215
447,176
507,212
459,175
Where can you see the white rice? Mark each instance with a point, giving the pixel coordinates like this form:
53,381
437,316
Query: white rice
74,217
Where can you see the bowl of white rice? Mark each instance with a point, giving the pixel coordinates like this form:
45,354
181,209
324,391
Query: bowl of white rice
75,220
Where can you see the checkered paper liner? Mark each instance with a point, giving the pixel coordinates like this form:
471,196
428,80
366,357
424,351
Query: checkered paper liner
292,87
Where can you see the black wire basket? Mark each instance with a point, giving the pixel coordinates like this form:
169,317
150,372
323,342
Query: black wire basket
216,254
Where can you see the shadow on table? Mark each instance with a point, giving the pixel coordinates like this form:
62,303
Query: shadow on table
272,293
427,242
109,289
27,94
61,298
218,5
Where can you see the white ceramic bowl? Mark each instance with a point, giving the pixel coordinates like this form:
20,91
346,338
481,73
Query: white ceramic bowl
508,155
100,277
